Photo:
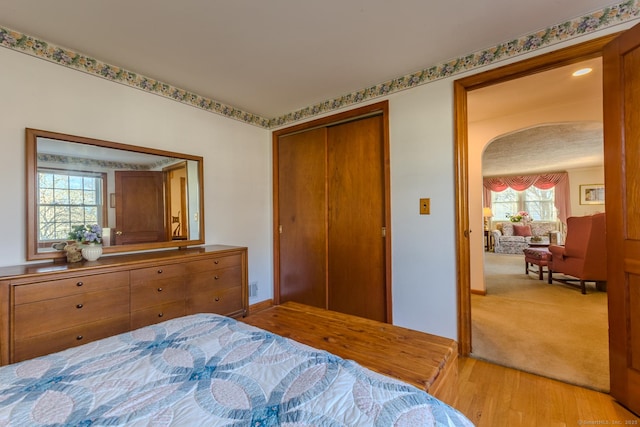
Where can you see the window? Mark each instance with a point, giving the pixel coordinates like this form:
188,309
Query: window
539,203
67,198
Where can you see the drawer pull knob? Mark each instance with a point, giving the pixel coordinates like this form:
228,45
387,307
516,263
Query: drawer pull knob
216,262
160,271
217,299
160,314
79,306
216,277
79,284
79,337
159,289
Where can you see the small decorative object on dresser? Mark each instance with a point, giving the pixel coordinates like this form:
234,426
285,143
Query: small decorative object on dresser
90,238
74,252
91,252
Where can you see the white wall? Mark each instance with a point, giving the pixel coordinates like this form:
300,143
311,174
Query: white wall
237,156
238,163
423,246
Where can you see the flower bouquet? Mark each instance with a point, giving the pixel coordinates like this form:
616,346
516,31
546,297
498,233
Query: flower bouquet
90,234
521,216
89,237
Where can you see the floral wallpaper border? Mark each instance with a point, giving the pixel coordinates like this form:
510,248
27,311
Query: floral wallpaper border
607,17
61,159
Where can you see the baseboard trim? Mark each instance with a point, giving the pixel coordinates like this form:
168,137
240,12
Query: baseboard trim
259,306
478,292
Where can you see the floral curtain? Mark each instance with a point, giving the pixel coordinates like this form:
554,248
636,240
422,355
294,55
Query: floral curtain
559,180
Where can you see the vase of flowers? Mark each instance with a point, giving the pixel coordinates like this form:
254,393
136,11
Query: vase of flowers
522,216
89,236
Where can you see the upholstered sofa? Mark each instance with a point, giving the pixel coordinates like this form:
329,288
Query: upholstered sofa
513,237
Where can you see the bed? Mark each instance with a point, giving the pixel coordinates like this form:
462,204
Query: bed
427,361
206,369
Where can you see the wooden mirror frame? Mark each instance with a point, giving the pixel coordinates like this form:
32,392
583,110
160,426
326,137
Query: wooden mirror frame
33,252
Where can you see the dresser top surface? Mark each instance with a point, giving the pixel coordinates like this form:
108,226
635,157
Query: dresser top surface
114,261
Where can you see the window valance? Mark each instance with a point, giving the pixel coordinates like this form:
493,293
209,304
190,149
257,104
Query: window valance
559,180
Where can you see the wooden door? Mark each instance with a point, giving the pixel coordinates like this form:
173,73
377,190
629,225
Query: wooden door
302,213
139,207
621,61
356,218
176,209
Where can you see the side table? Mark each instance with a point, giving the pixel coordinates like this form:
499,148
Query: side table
488,241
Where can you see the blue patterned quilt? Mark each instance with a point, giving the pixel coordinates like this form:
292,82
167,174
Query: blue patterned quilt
208,370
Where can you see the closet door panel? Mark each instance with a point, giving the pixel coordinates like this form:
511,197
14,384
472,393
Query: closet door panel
356,217
302,214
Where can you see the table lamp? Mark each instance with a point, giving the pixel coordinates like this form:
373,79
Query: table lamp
486,213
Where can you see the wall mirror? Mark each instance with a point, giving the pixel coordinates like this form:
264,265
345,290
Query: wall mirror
143,198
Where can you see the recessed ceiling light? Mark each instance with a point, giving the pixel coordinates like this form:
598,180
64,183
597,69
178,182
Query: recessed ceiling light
581,72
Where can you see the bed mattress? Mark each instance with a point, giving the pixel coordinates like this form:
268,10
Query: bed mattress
206,369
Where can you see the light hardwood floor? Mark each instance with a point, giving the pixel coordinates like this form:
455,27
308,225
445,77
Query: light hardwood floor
494,396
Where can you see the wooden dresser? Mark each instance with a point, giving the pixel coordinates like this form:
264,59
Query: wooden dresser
48,307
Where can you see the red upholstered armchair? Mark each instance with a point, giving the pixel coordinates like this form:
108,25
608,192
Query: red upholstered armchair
584,254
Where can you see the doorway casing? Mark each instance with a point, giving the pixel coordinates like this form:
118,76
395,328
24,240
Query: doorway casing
559,58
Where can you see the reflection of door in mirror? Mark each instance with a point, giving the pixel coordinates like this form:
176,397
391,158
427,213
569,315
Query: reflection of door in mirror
139,207
71,181
176,201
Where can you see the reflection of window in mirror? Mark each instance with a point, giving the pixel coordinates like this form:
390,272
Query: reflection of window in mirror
73,180
67,198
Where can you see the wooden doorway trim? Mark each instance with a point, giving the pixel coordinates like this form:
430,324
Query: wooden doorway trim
544,62
169,194
381,108
621,65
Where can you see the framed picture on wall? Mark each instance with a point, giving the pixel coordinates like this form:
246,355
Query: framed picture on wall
592,194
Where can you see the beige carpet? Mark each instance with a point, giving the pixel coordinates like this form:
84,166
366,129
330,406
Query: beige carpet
549,330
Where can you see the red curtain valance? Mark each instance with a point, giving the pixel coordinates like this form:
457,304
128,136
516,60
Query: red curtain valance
560,180
522,182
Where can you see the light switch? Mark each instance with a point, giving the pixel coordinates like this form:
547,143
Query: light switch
425,206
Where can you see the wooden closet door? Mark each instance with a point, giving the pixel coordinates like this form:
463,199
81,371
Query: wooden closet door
356,217
302,214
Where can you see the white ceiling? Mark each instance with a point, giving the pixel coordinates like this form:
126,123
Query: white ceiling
272,57
545,148
563,116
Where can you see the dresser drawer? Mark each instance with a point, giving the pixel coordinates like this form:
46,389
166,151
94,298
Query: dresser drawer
157,314
24,294
152,293
52,315
214,263
160,272
27,348
218,279
225,301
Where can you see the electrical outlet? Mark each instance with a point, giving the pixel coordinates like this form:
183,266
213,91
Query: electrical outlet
425,206
253,289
